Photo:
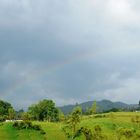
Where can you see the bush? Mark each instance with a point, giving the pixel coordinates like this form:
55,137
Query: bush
2,118
114,126
125,132
99,116
97,133
36,127
138,135
1,124
66,130
23,125
42,132
136,120
87,133
28,125
15,125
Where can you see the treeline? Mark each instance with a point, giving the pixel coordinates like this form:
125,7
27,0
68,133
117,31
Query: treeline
6,111
44,110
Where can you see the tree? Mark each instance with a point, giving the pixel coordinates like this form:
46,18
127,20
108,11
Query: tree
93,108
87,112
75,119
44,110
139,105
61,115
4,107
25,116
71,127
19,114
11,113
33,110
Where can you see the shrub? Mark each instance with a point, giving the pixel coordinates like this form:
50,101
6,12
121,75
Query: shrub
28,125
138,135
136,120
42,132
114,126
15,125
2,118
87,133
66,129
125,132
36,127
97,133
23,125
99,116
1,124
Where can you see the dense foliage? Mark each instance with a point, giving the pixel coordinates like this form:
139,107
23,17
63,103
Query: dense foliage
71,127
4,107
6,111
44,110
27,125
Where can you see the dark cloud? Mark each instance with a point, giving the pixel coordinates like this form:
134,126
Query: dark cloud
70,51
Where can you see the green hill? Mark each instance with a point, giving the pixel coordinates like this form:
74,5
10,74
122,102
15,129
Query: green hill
103,105
109,122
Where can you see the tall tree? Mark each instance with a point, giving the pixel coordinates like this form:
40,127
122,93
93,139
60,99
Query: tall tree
93,108
71,128
4,107
11,113
19,114
61,115
25,116
44,110
75,118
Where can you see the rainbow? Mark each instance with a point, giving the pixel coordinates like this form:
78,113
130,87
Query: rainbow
43,72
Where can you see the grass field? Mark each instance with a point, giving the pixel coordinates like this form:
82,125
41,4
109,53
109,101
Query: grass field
54,131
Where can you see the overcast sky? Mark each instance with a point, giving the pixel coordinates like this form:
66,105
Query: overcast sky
69,51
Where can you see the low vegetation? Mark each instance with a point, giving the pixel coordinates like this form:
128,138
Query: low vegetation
28,125
43,121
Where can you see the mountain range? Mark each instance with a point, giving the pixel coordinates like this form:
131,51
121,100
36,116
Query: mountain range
102,106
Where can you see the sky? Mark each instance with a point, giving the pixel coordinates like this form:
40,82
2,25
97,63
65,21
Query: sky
70,51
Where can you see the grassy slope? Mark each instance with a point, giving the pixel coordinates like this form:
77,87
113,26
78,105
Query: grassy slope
54,131
121,119
7,132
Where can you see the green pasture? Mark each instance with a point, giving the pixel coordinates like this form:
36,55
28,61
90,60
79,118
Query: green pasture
109,122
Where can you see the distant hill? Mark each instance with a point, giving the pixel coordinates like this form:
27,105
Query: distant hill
103,105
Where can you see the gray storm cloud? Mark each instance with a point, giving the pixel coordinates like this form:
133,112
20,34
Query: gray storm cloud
69,51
